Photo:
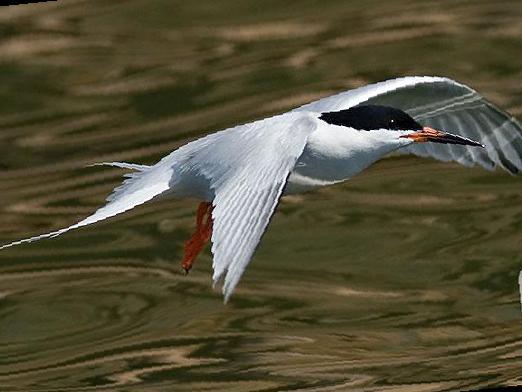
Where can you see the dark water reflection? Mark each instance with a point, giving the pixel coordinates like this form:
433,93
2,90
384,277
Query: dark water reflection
404,279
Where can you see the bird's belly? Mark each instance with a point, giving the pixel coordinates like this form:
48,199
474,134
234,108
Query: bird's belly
332,156
299,183
318,173
313,171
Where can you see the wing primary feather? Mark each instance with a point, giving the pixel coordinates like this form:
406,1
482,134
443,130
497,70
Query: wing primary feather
123,165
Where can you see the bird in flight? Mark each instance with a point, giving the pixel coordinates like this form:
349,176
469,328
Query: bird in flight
240,173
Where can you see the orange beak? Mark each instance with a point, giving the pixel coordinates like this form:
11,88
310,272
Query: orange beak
428,134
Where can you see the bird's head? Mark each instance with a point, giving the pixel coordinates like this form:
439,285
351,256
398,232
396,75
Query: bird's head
392,125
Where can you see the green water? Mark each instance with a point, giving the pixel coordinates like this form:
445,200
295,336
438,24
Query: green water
403,279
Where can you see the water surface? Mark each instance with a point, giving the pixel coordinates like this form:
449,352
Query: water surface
402,279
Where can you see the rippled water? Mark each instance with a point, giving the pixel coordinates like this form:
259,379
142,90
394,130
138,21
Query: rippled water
403,279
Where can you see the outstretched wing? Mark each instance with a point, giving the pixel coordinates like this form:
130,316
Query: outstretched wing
247,168
446,105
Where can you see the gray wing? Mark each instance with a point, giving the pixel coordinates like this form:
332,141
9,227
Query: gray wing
247,168
447,105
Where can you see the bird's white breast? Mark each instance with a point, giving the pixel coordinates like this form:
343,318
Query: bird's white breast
336,153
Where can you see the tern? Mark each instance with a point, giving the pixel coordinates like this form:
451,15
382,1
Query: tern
239,174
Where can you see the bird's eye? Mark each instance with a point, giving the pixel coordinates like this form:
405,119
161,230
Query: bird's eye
392,121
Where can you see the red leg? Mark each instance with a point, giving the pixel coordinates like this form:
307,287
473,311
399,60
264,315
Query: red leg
200,237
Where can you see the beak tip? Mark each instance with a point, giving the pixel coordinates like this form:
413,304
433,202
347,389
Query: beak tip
429,134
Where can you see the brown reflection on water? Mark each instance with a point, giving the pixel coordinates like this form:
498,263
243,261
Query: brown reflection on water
403,279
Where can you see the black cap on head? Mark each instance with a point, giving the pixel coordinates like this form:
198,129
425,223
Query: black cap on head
369,117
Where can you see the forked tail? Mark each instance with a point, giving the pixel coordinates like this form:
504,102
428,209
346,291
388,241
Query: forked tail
140,187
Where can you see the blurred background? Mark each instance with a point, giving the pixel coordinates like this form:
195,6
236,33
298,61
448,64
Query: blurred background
402,279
